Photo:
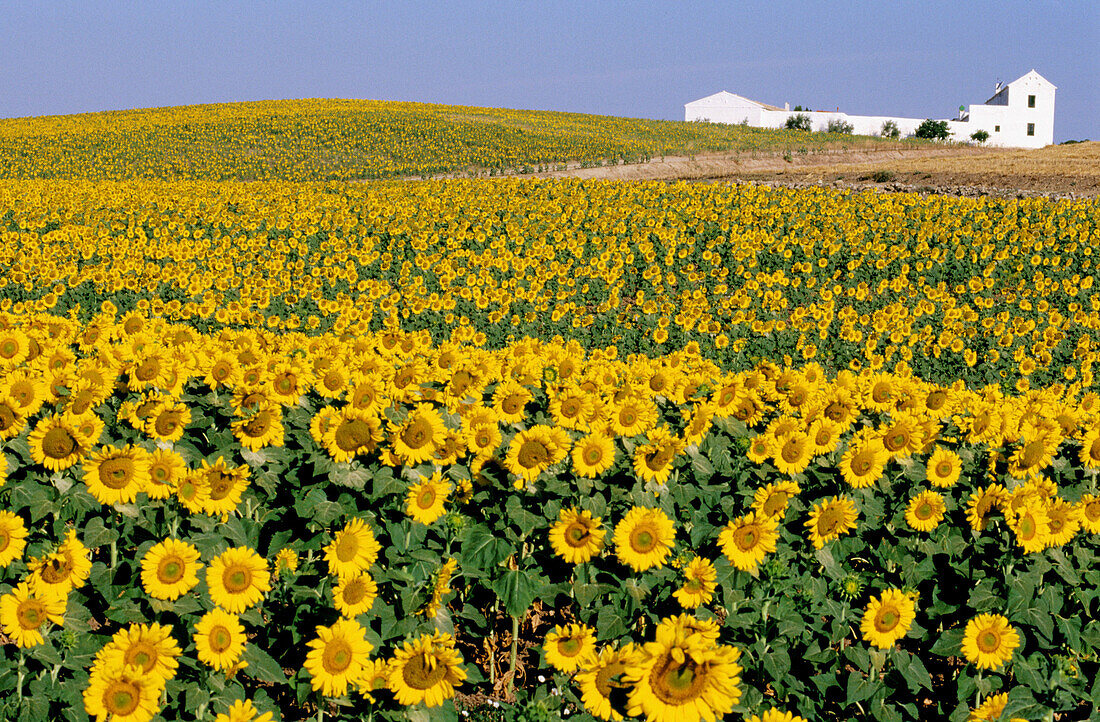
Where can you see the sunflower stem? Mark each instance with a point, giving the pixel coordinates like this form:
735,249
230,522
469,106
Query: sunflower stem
512,656
22,673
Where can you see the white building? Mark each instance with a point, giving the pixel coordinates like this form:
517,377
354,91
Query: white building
1019,115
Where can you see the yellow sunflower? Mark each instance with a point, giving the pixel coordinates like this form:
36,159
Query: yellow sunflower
831,518
925,511
576,536
219,639
774,715
534,450
887,618
243,711
863,463
260,427
644,538
170,569
55,443
602,682
59,573
771,500
944,468
13,537
700,581
570,648
989,641
115,476
166,470
990,709
683,678
1031,524
982,502
1089,506
425,671
593,455
23,613
355,595
238,579
149,647
122,693
337,657
224,486
347,433
793,452
415,440
746,540
352,550
426,500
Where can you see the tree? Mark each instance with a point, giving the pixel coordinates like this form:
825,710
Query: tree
933,130
839,126
980,135
890,130
799,122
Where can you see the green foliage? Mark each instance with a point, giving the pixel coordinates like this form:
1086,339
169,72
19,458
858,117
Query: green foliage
933,130
839,126
980,136
889,129
800,121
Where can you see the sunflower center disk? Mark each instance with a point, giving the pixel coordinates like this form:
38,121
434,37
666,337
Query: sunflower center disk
675,683
58,443
418,675
236,579
121,698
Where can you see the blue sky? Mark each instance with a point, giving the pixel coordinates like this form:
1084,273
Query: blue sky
638,59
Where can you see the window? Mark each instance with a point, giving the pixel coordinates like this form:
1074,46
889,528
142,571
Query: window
996,129
1031,101
1031,129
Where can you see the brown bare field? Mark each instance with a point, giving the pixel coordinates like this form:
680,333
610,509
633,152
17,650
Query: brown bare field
1063,170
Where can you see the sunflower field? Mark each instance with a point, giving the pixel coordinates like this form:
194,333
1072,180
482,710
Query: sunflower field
528,450
319,140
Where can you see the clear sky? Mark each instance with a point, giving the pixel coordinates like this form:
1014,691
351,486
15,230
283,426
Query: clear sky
639,59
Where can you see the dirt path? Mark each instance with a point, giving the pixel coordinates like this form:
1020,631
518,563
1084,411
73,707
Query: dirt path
731,165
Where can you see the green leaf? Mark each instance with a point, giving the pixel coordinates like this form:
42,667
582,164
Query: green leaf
517,588
481,549
95,534
262,666
913,670
859,688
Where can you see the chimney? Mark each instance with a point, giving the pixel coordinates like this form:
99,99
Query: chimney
786,106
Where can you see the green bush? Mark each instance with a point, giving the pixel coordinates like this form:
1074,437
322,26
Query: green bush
933,130
801,121
980,135
890,130
839,126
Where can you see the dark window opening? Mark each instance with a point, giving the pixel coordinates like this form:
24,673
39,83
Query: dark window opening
1031,129
1031,101
996,129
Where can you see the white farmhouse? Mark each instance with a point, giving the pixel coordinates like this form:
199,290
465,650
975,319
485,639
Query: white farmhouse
1019,115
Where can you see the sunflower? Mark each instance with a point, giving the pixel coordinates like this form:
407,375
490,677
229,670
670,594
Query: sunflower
632,416
219,639
416,439
1089,506
793,452
824,435
653,461
593,455
887,618
925,511
944,468
644,538
352,550
989,641
774,715
238,579
990,709
700,579
771,500
168,421
355,595
426,500
761,448
1031,524
903,437
601,683
1034,453
683,678
13,537
482,439
170,569
347,433
224,485
192,491
1063,521
22,614
243,711
576,536
863,463
441,587
831,518
337,657
261,427
149,647
55,443
571,408
982,502
59,573
115,476
425,670
746,540
12,422
166,470
286,561
122,693
510,401
533,451
570,647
